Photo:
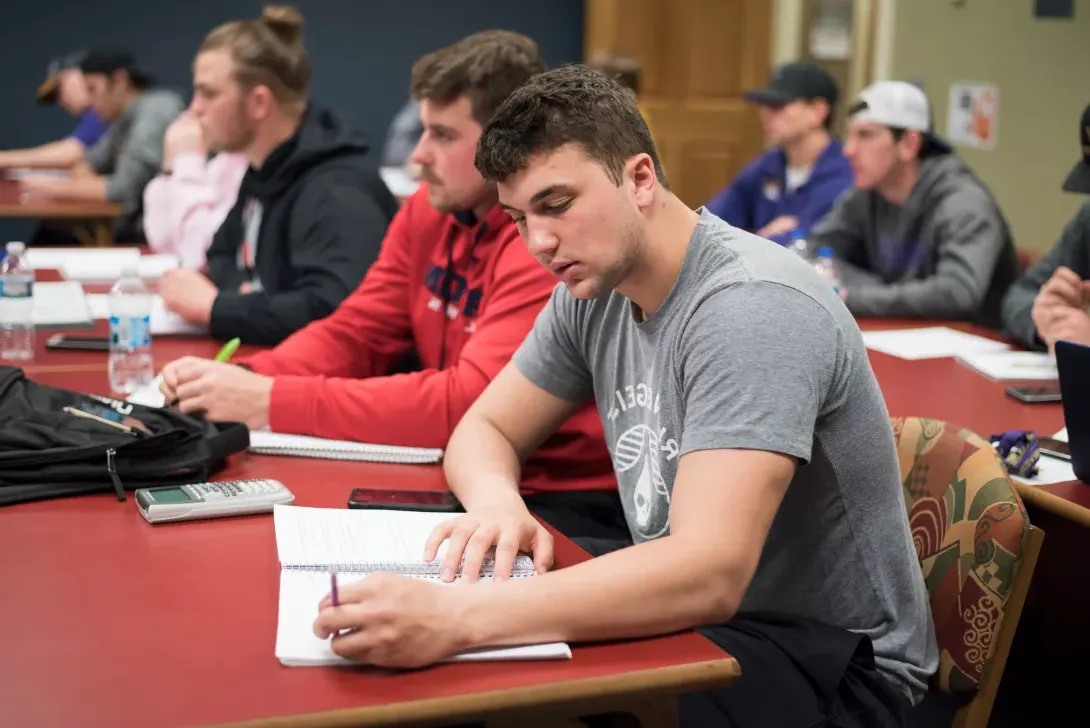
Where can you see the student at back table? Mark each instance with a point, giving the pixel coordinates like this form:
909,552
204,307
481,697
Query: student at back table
63,86
920,236
310,213
794,184
122,162
758,473
455,282
1052,300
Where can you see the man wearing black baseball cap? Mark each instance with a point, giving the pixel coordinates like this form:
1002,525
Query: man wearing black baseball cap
128,156
1051,301
786,190
63,86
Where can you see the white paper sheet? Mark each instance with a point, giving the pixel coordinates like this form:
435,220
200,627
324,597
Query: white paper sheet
58,258
60,304
930,343
109,269
1009,366
163,322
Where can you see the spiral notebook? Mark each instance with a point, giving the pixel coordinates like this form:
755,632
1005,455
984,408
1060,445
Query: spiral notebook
312,541
277,443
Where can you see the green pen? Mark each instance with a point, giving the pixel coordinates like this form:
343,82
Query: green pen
228,350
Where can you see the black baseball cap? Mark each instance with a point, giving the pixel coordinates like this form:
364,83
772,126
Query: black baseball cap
794,81
1078,180
49,88
109,60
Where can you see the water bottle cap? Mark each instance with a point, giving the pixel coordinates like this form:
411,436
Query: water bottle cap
15,248
825,252
798,234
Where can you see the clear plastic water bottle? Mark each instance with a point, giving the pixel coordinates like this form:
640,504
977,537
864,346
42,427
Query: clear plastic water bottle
826,268
16,305
131,366
799,245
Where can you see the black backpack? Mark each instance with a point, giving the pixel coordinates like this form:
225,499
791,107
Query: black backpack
56,442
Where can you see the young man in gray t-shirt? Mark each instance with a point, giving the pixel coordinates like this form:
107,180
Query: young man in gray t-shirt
753,451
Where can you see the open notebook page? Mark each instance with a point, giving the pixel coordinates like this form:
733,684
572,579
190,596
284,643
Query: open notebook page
322,536
297,646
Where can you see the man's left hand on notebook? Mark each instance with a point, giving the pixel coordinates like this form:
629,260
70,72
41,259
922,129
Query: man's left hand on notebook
508,526
395,621
189,294
222,392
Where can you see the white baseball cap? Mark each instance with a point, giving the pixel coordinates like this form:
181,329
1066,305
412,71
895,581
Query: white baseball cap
899,105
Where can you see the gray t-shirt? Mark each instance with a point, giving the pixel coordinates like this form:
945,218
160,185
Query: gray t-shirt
130,153
751,350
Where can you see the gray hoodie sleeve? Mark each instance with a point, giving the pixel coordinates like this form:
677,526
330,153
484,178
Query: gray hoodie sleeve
971,235
1072,251
843,231
141,153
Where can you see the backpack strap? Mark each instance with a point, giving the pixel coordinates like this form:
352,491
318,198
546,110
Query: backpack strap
230,438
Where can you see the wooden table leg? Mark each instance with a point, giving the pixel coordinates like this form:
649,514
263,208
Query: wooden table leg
102,233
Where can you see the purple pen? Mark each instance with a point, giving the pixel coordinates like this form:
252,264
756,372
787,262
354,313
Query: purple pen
333,587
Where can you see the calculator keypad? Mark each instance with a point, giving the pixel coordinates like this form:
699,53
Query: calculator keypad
233,488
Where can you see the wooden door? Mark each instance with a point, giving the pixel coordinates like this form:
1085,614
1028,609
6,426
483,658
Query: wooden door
697,58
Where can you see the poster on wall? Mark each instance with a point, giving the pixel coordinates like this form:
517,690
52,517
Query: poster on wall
973,115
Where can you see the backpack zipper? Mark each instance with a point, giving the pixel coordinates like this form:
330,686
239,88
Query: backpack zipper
112,470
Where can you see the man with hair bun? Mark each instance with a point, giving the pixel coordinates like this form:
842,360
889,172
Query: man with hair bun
455,285
310,214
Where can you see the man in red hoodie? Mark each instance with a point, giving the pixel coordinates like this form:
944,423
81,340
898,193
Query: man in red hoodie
454,282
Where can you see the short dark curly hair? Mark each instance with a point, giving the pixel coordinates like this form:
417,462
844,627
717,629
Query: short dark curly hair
569,104
486,66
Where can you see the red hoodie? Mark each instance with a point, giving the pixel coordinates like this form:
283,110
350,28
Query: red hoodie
331,376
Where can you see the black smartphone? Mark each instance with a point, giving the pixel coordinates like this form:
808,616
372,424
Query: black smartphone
1055,448
78,343
1036,394
435,501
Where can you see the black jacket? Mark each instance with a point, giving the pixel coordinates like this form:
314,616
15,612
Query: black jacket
324,214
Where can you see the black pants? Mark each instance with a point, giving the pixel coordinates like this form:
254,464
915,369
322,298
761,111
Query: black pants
796,673
582,514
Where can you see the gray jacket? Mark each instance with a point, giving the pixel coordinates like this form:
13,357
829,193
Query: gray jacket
130,153
946,253
1073,251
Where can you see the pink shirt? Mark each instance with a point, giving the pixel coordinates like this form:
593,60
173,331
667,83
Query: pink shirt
183,210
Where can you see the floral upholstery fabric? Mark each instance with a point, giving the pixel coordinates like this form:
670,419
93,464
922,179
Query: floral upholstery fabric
970,530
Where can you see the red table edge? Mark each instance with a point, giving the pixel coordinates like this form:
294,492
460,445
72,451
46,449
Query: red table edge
655,681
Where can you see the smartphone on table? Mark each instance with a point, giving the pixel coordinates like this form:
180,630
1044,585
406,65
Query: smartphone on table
434,501
1036,394
78,343
1055,448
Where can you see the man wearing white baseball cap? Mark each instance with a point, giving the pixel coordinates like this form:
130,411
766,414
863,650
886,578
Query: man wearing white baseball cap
920,236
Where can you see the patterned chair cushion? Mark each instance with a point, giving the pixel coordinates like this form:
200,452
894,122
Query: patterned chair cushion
969,528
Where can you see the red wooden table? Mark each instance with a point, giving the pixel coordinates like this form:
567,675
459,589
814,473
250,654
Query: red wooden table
947,390
96,216
107,620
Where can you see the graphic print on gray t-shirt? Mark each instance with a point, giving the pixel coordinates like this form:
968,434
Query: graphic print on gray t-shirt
751,350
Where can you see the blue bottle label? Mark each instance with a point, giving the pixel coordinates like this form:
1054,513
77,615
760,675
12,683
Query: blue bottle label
16,287
133,332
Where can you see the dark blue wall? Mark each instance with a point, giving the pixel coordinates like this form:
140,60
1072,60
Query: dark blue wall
361,50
